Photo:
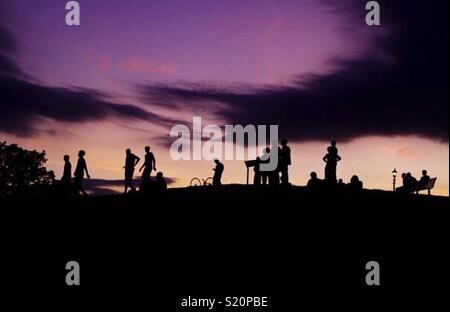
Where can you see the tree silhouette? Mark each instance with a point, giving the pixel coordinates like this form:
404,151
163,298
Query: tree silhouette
22,171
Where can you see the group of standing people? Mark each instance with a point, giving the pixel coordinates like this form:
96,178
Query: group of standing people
281,174
131,160
78,174
278,176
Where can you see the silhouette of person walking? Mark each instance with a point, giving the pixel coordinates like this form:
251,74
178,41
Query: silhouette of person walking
148,165
67,173
284,161
80,169
131,161
331,159
218,173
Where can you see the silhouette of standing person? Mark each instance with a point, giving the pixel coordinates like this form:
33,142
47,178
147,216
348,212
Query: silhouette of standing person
148,165
80,169
333,147
257,171
284,161
131,161
265,158
331,159
218,173
67,173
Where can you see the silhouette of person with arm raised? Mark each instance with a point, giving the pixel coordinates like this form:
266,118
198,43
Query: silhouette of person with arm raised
218,170
80,169
131,161
284,161
148,165
331,159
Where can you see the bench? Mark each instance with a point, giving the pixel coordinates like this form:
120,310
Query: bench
429,186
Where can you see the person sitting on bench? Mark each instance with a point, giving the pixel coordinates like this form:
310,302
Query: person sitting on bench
423,182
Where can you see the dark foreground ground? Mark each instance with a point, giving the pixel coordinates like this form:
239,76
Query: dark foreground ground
292,245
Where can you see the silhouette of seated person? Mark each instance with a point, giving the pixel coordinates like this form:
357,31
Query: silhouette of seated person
131,161
355,184
148,165
218,170
341,185
424,180
257,172
160,184
331,159
403,188
314,183
80,169
410,183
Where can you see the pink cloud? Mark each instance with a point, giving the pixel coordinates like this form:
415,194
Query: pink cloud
148,66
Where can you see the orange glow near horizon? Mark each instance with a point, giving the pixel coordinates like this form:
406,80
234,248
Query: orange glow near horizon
371,158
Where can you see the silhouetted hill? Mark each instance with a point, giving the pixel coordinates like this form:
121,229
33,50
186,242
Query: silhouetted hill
234,238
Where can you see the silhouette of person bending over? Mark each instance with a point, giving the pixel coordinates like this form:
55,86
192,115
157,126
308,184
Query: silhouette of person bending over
284,161
331,159
67,173
131,161
218,173
148,165
79,173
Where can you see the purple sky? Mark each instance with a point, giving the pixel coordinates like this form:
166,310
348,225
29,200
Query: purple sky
228,41
260,61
